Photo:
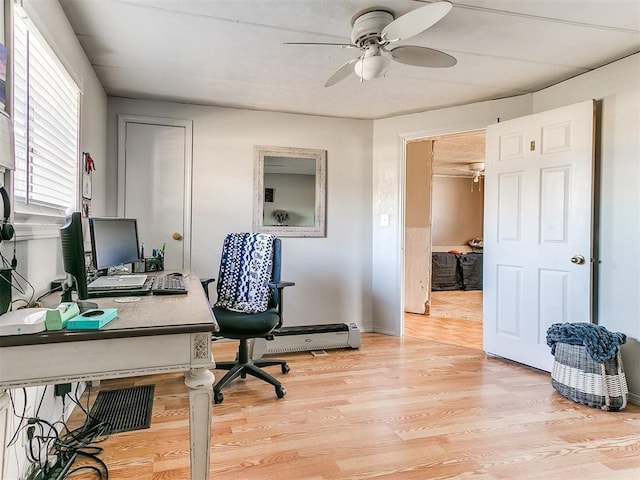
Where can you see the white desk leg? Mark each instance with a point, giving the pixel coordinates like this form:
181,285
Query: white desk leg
200,383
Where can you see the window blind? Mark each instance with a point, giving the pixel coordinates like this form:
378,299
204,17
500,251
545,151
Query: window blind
46,110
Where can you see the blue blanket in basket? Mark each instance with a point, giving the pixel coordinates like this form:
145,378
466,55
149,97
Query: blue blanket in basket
600,343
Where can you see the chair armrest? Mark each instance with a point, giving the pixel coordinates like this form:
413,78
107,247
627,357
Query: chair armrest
205,285
280,286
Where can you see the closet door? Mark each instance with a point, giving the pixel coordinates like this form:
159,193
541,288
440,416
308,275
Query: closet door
154,184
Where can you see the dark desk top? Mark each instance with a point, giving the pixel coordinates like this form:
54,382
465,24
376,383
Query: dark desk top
151,315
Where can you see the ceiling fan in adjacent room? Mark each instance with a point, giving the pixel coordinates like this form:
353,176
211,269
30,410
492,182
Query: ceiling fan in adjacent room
376,28
476,170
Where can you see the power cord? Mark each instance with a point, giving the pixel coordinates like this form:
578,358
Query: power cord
46,294
16,282
22,417
61,449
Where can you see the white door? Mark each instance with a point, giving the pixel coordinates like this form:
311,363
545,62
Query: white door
154,184
538,230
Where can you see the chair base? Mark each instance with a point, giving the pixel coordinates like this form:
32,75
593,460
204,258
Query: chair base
244,366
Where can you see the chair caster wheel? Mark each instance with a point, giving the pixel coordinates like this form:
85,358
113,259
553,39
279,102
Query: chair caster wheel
280,392
217,397
285,368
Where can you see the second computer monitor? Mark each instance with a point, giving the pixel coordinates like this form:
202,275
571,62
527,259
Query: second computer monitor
114,241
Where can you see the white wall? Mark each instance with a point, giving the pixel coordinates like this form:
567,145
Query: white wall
617,89
389,136
38,248
332,274
457,212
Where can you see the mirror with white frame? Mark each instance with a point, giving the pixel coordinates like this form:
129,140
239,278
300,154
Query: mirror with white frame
289,188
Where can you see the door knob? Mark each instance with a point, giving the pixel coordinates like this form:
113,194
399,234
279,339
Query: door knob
178,236
578,259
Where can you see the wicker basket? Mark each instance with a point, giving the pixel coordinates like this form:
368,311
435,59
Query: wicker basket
580,378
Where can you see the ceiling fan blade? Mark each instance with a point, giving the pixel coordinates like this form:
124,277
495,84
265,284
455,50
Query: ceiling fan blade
415,22
343,72
342,45
422,57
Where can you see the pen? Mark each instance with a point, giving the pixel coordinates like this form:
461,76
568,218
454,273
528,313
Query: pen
142,251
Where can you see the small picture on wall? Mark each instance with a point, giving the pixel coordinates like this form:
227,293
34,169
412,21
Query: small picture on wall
86,208
86,186
268,195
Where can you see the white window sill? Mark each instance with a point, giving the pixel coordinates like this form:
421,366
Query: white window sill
36,231
33,222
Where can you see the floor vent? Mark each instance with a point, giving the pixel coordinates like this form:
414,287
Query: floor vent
308,338
124,409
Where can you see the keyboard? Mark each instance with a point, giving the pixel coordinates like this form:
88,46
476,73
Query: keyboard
168,285
119,292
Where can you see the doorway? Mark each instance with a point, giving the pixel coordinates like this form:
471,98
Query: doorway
444,204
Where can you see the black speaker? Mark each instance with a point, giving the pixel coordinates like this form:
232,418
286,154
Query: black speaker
6,229
5,289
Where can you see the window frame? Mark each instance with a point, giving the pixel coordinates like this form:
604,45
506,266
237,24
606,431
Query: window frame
38,219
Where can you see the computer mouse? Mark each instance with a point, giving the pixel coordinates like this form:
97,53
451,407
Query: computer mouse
175,274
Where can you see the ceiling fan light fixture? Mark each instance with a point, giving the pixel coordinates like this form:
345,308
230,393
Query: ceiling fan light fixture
372,66
477,169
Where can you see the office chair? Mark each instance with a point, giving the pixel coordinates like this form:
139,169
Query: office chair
238,325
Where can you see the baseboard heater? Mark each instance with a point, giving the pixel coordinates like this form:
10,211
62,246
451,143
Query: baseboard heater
307,338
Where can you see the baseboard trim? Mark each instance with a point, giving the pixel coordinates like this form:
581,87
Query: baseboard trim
635,399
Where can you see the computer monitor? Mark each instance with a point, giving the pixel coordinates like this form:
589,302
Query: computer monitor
114,242
73,260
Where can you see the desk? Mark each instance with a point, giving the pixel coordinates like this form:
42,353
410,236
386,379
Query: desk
158,334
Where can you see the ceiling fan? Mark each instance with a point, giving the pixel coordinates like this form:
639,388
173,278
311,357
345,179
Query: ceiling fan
477,170
375,28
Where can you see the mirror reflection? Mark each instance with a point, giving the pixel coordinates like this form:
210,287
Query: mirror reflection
289,191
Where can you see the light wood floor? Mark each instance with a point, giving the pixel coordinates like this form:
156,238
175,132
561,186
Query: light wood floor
458,304
455,318
398,408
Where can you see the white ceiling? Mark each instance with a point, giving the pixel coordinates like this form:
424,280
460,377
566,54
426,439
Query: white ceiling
231,52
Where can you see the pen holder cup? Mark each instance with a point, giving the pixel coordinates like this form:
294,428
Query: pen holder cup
154,264
140,266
